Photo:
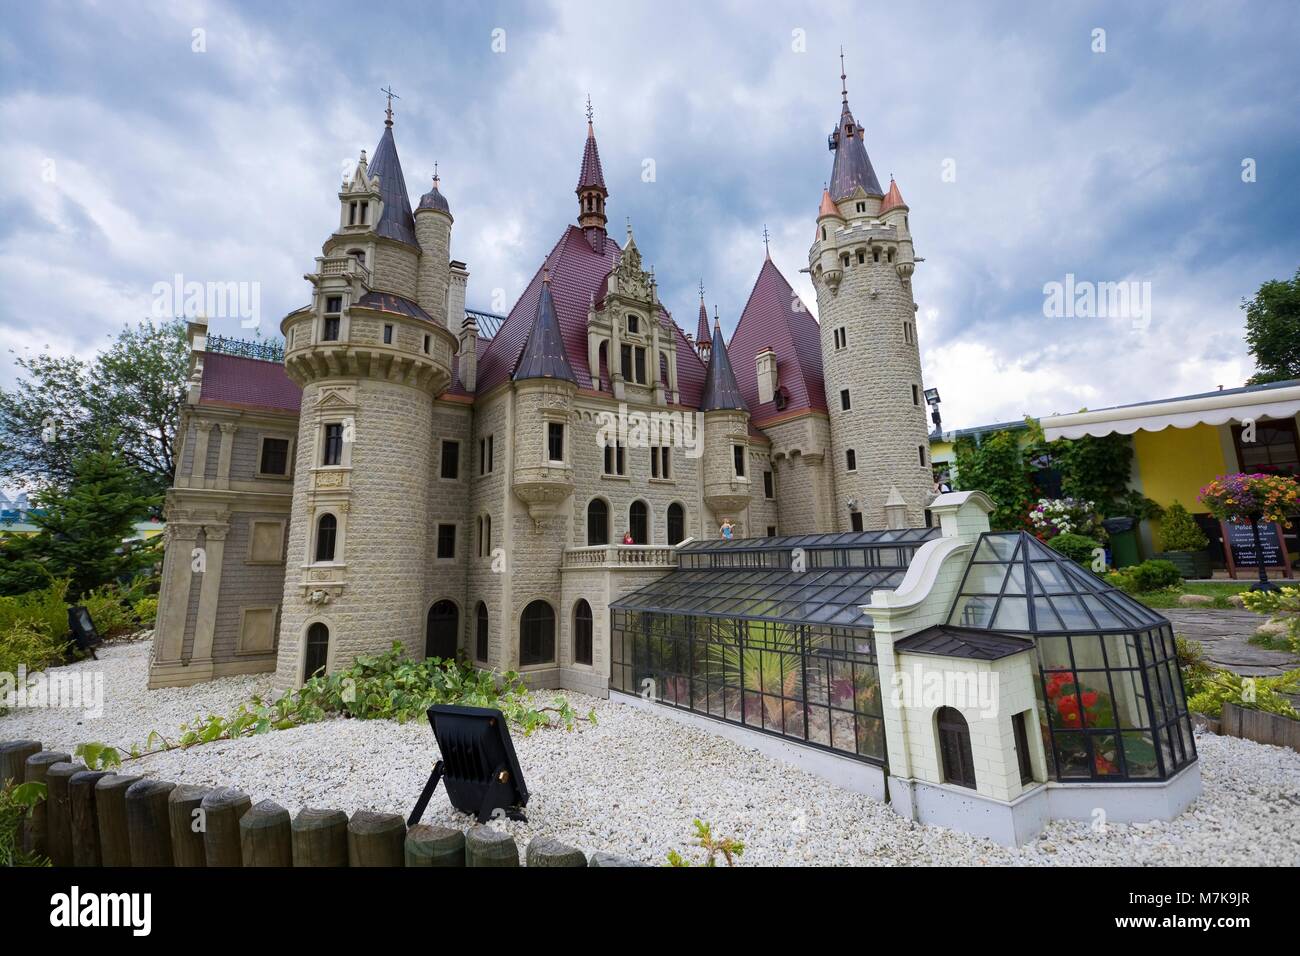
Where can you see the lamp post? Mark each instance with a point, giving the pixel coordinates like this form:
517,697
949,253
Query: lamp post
1263,584
932,399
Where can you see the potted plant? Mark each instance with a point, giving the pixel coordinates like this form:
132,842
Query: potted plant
1185,544
1253,499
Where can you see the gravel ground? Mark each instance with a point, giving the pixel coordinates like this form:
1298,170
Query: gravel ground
633,783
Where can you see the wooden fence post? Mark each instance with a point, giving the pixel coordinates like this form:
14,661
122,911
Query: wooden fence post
435,846
548,851
85,822
485,846
13,759
265,837
110,810
187,837
58,817
320,838
376,839
148,825
222,810
36,828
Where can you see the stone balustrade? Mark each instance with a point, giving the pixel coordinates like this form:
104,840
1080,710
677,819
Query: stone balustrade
621,556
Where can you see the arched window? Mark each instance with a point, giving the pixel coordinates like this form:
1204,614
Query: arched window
954,748
326,533
676,523
638,517
481,632
603,354
537,634
597,522
317,653
484,536
582,631
663,369
442,631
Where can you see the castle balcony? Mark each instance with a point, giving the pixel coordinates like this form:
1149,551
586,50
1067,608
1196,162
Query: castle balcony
543,488
346,267
727,498
625,556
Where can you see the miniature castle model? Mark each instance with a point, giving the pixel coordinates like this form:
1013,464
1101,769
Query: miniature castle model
464,484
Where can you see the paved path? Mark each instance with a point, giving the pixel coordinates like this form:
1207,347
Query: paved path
1225,636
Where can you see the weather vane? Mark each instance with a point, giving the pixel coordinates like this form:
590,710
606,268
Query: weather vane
590,113
844,78
391,97
766,251
701,287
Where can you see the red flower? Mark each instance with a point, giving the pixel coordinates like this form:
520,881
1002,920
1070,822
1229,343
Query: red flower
1089,698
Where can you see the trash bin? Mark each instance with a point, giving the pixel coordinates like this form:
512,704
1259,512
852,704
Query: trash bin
1123,541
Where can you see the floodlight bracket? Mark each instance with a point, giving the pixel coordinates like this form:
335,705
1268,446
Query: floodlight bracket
425,794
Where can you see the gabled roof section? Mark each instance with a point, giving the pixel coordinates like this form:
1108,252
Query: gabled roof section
396,220
234,381
942,640
720,389
775,317
852,167
577,273
543,355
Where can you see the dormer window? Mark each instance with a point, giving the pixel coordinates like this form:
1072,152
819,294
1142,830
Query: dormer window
633,325
862,207
364,214
330,326
352,214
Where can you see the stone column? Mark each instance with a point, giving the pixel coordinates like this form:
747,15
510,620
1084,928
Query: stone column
228,430
174,592
202,432
214,546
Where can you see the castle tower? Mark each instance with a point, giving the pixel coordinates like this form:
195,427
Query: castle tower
703,344
726,439
861,262
369,361
433,230
591,189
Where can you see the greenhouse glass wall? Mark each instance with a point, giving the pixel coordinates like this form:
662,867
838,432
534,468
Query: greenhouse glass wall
768,633
1110,696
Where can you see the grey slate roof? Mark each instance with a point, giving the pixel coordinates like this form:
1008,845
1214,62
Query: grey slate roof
941,640
543,355
434,199
396,222
852,166
720,388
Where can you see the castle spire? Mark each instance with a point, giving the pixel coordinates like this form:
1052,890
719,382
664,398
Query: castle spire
396,220
702,341
852,168
591,182
543,355
720,389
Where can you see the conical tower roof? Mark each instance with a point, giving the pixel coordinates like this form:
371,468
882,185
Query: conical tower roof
893,198
396,220
852,166
720,389
702,326
543,355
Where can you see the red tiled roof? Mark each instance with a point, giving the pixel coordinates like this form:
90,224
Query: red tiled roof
577,272
772,319
892,198
591,176
702,326
246,382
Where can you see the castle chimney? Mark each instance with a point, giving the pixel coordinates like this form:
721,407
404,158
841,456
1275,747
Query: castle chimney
765,363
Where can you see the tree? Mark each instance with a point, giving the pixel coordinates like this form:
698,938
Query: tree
1000,466
1273,330
64,407
81,527
1095,469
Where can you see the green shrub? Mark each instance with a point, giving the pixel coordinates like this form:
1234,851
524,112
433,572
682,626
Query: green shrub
146,609
44,611
1254,693
1145,577
1283,604
24,646
1180,532
1077,547
16,803
112,616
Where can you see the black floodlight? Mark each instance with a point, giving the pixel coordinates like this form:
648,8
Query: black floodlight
83,629
478,765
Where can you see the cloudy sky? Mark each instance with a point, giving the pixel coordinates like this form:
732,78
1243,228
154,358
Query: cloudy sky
207,139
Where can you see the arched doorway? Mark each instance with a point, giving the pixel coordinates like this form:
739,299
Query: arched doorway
317,653
582,633
638,517
954,748
676,523
597,522
442,631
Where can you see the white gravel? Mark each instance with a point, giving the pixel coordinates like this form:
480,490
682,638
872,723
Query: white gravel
632,785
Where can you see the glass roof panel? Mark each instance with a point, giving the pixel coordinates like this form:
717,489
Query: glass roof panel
1012,614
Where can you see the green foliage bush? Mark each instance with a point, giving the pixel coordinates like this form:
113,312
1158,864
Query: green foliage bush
16,802
1145,577
1180,532
44,610
1077,547
146,609
1282,604
1209,688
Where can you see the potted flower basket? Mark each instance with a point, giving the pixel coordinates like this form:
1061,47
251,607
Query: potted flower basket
1253,499
1185,545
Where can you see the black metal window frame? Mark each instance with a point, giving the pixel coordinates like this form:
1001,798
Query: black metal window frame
327,527
583,630
446,541
333,450
597,522
317,650
638,522
537,634
449,465
675,521
789,680
275,456
555,441
1122,645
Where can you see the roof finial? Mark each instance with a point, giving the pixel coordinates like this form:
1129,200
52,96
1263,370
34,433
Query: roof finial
389,112
546,272
716,321
701,288
435,174
590,112
766,252
844,79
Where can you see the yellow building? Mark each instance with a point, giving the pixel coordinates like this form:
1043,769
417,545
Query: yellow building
1182,443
